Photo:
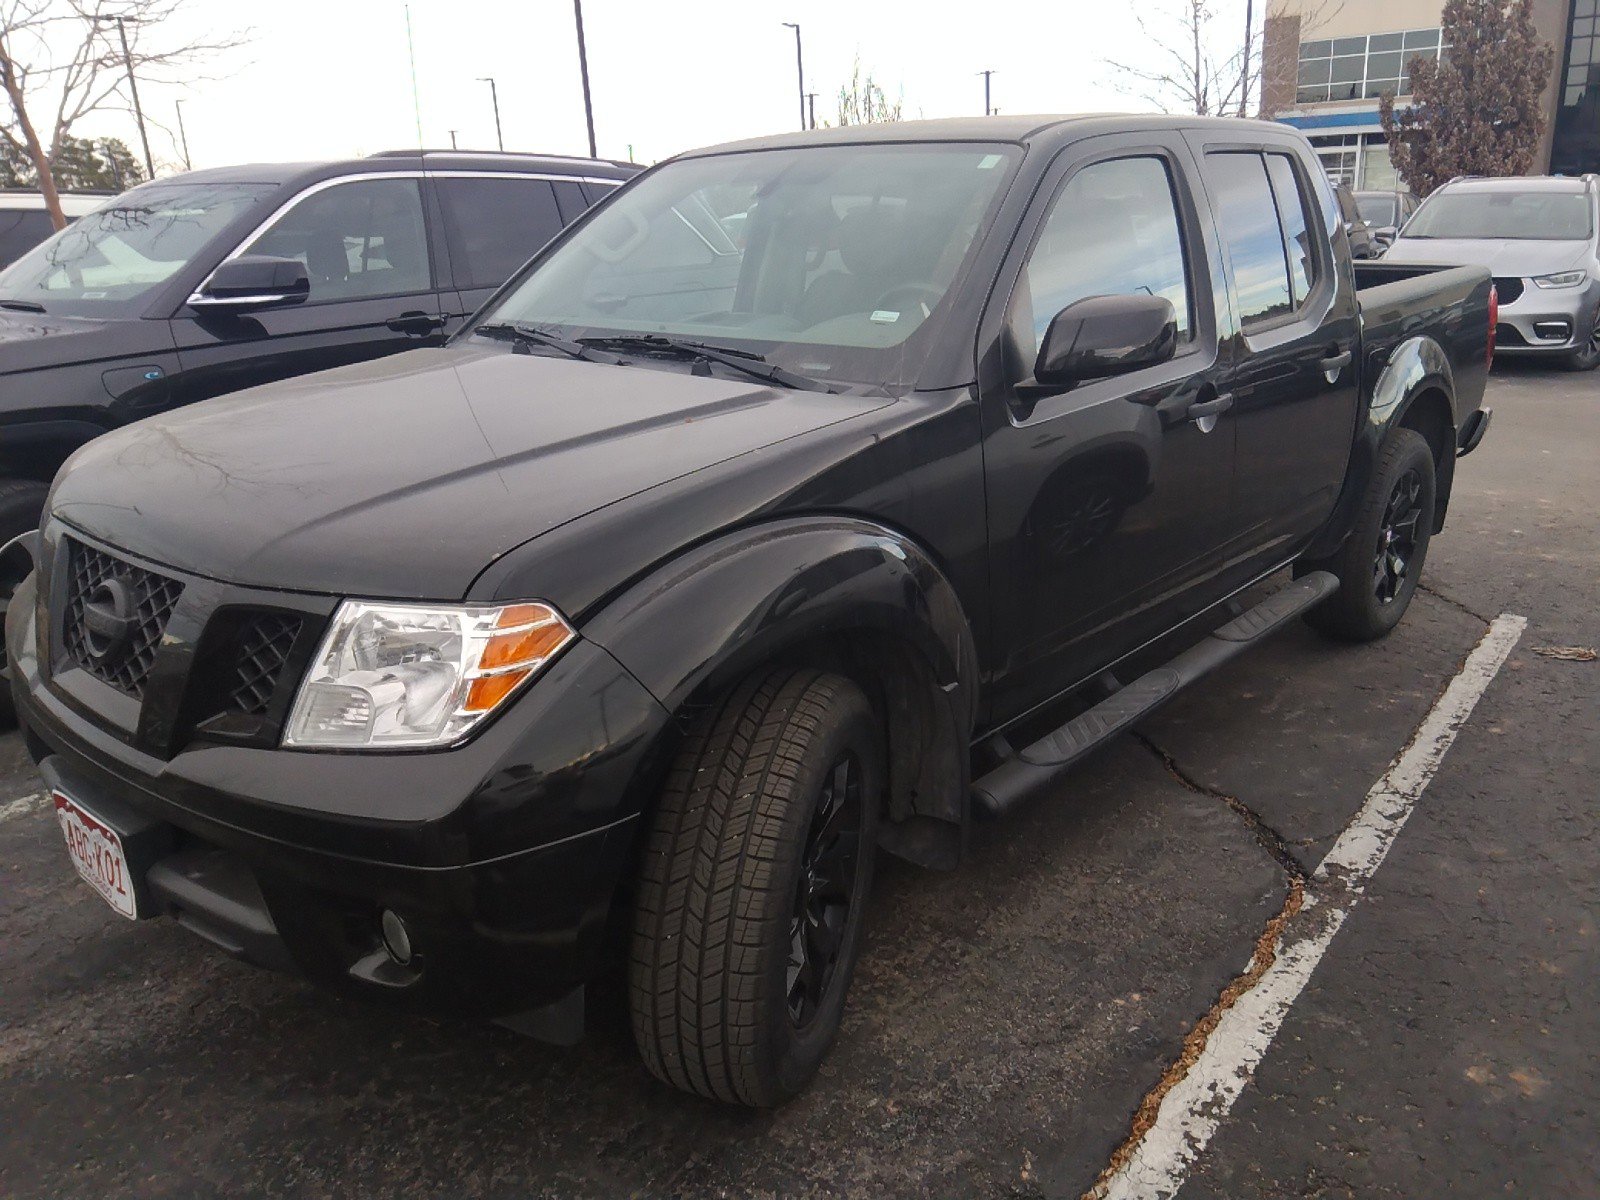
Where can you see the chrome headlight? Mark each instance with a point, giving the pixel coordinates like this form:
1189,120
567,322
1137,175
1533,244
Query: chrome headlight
1562,279
408,675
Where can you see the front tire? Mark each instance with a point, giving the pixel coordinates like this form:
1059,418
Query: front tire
752,889
21,506
1587,356
1380,563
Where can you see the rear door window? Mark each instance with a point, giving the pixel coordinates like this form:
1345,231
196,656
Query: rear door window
494,224
1293,217
1247,217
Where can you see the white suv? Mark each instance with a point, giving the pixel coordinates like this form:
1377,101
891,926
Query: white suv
1540,238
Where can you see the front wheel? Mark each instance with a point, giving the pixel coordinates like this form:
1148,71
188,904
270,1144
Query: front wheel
752,888
21,505
1587,356
1381,561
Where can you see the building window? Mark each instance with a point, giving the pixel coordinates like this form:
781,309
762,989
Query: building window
1356,68
1357,160
1576,144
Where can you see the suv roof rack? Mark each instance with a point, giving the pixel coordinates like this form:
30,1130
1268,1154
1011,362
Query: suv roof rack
424,151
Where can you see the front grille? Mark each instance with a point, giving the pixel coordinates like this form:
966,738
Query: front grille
260,654
1508,288
123,662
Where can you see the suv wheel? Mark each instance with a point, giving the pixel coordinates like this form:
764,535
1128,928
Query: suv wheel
1587,356
753,885
21,504
1381,561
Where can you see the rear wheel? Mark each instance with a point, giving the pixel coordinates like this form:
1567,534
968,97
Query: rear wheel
752,889
21,505
1381,561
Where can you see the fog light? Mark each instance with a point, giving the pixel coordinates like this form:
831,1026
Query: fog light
1552,330
396,938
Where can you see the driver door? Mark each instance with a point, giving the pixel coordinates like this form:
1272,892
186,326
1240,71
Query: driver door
1107,499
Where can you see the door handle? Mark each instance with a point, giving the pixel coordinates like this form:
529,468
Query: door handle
1334,364
1201,409
416,322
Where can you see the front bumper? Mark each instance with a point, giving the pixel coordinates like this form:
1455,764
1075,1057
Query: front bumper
502,855
1546,321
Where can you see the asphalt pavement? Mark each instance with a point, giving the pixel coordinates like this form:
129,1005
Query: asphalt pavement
1008,1018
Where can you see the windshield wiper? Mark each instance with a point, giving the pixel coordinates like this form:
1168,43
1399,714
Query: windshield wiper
740,360
528,335
32,306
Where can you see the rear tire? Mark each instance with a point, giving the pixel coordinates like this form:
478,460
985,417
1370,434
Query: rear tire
752,889
1380,563
21,506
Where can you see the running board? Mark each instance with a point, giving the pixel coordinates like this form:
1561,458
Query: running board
1027,770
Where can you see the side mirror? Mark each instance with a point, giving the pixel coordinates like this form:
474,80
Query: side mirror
1107,335
253,281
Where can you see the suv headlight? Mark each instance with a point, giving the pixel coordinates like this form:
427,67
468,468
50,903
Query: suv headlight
1562,279
409,675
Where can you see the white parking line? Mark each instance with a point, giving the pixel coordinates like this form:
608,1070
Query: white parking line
1192,1110
21,807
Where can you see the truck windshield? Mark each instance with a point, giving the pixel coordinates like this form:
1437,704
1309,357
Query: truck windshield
1541,216
106,263
826,260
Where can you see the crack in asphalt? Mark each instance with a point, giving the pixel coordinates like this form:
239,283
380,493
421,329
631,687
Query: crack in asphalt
1452,602
1269,839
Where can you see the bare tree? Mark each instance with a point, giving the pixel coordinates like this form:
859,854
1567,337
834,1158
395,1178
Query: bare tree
862,101
61,60
1202,63
1477,110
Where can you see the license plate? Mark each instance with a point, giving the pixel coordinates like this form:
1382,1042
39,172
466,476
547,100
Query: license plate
96,851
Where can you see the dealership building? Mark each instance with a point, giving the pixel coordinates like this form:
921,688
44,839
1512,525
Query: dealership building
1326,62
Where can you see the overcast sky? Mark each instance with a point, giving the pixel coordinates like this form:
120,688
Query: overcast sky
327,78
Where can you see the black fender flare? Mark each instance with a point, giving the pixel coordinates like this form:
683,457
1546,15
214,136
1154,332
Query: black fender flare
1416,366
804,586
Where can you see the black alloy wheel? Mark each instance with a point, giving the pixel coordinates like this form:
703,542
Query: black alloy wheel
825,890
1397,538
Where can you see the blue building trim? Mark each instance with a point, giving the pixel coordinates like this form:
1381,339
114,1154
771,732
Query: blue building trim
1344,120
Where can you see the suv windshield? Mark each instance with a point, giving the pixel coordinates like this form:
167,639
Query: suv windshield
104,264
827,260
1547,216
1377,211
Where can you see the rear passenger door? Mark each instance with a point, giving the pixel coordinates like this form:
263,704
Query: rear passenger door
1294,379
493,223
365,246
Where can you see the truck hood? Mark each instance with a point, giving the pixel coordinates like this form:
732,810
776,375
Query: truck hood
408,476
34,340
1518,257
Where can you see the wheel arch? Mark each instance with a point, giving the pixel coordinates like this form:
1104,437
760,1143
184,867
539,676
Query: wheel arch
837,592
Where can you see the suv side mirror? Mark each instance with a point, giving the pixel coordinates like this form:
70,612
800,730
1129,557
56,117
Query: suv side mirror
253,281
1107,335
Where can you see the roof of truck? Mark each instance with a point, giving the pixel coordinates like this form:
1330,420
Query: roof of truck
1022,129
392,160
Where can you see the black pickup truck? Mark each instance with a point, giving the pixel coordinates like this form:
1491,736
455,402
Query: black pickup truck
807,498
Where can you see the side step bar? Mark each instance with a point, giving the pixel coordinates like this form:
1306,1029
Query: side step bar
1024,772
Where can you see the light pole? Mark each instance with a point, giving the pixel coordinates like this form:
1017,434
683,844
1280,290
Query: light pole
811,110
583,68
452,139
988,109
494,96
800,70
133,84
1244,81
184,137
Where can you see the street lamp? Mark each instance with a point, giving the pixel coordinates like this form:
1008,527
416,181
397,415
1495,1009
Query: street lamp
184,136
800,70
494,95
583,68
133,84
988,109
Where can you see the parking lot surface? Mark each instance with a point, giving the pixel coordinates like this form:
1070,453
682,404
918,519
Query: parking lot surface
1007,1018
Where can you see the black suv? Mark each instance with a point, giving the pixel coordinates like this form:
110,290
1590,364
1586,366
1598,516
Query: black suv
215,280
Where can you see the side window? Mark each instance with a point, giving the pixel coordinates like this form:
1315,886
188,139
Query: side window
495,224
570,199
364,238
1304,271
1112,230
1248,220
21,229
